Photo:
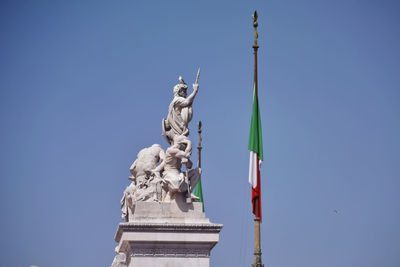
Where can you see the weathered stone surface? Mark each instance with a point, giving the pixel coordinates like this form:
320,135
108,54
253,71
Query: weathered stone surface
169,212
167,234
157,175
161,234
163,226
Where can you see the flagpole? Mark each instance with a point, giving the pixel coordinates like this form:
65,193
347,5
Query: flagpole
257,220
199,146
198,191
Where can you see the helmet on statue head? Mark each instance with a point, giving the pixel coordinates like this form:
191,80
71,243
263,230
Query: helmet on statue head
181,88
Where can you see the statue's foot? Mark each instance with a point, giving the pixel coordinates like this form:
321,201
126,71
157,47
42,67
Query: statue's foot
194,197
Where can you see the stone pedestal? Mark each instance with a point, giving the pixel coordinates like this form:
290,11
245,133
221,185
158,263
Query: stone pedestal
170,234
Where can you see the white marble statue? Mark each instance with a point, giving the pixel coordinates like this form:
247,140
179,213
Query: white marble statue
128,202
146,179
146,162
157,175
180,112
176,155
120,260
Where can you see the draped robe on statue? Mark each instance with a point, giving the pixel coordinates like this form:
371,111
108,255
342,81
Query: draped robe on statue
180,113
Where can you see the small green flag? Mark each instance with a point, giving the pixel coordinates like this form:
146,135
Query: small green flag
198,192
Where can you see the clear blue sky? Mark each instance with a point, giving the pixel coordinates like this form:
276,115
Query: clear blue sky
84,85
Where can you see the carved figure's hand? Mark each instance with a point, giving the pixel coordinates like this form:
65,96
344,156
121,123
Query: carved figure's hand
189,164
184,160
156,173
195,87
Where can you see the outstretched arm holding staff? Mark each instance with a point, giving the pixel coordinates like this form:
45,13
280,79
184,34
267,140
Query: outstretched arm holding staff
189,189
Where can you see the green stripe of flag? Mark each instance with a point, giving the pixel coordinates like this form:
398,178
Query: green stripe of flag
255,140
198,192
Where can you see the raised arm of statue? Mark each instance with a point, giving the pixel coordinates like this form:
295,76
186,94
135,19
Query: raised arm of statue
177,153
188,149
189,164
189,100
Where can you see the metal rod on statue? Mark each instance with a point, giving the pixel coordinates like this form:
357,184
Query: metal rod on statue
257,220
197,77
199,146
199,189
189,197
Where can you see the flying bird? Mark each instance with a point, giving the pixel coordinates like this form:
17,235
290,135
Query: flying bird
336,211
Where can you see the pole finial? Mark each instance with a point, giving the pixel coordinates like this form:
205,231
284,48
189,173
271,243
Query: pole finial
255,25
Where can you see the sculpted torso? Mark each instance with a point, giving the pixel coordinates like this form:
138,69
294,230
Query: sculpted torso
172,164
147,160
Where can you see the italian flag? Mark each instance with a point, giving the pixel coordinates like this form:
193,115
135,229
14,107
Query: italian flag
198,191
256,155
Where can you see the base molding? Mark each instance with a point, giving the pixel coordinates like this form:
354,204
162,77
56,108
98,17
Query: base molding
167,240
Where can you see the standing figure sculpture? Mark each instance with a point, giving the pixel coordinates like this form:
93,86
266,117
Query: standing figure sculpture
175,130
180,112
157,174
176,155
161,196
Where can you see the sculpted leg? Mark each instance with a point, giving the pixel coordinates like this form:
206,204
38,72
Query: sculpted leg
127,203
194,176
